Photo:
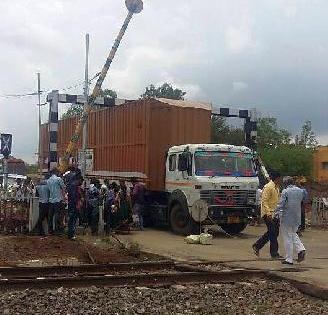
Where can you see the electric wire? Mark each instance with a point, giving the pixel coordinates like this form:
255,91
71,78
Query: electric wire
70,87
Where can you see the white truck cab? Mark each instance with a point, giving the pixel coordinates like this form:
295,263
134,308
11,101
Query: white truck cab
210,184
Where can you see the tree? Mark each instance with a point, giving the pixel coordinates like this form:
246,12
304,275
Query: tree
269,134
76,110
164,91
108,93
307,137
292,160
221,132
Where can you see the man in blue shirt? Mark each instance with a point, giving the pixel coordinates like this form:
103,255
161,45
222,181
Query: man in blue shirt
289,212
56,197
42,191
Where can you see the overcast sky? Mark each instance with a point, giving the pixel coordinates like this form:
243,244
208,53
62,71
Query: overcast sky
267,54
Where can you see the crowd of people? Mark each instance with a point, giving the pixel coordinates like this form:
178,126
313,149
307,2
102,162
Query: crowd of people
69,198
285,212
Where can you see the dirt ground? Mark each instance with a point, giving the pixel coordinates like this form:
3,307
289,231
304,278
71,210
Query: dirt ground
237,251
53,250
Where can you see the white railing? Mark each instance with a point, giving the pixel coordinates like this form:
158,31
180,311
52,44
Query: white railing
319,212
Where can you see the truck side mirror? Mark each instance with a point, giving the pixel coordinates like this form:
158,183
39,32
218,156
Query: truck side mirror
183,162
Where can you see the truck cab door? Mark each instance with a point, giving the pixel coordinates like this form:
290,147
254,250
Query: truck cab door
171,171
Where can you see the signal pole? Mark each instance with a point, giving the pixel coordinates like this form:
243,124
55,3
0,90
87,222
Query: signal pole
39,105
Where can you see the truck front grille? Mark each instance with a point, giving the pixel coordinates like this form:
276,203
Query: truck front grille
227,197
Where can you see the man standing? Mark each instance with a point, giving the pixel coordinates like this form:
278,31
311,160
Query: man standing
74,192
270,198
93,205
289,212
56,196
301,184
42,191
138,201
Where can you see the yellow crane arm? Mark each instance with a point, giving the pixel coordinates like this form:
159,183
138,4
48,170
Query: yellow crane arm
134,6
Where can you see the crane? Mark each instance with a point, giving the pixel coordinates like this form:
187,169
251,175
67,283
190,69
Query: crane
134,7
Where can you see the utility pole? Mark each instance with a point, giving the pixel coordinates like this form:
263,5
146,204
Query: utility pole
39,105
86,95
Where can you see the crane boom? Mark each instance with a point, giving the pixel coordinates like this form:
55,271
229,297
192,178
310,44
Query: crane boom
134,6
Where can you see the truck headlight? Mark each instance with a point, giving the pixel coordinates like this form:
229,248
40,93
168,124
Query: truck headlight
199,210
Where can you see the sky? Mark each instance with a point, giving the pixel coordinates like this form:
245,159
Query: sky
264,54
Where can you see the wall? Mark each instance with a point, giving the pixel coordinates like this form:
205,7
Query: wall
320,173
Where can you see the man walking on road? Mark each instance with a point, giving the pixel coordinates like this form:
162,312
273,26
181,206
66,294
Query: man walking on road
289,211
56,196
270,198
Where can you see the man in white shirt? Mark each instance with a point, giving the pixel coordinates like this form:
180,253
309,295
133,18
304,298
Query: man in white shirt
289,212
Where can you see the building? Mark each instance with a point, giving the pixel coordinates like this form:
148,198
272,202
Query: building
320,164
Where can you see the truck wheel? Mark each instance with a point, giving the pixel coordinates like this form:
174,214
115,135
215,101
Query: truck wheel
180,220
234,228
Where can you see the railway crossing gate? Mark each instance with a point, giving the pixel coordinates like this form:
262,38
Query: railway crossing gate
54,98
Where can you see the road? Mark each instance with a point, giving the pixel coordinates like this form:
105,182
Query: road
237,251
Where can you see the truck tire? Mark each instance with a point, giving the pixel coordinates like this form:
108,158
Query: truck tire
180,220
234,229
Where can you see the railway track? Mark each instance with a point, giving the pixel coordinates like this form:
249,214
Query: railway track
164,273
141,274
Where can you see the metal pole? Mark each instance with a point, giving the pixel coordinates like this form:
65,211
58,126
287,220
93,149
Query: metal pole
86,95
39,105
5,176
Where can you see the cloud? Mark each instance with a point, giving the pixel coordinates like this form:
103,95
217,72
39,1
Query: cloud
239,86
239,39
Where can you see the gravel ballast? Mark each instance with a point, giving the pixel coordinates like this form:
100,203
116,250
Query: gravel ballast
255,297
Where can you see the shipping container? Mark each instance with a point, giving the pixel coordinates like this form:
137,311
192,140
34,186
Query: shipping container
135,136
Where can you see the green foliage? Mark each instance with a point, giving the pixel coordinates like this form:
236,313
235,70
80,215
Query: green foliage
274,144
269,134
307,137
76,110
164,91
293,160
108,93
221,132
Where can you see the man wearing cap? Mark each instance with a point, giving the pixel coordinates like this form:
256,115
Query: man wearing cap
289,212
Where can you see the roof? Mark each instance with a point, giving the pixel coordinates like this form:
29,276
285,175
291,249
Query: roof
210,147
14,160
183,103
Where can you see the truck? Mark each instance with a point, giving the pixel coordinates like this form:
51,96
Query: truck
206,184
166,144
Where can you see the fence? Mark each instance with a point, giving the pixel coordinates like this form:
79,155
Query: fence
319,212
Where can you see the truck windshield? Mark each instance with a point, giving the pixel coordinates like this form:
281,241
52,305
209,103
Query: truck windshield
224,164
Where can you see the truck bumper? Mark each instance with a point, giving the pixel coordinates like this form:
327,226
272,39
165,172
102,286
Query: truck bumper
230,215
